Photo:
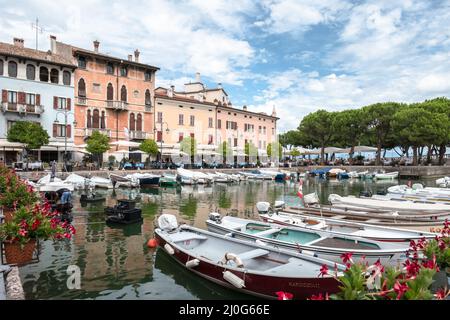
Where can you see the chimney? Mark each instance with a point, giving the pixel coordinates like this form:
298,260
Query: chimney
197,77
170,91
274,112
18,42
53,44
244,108
219,85
130,57
96,45
136,55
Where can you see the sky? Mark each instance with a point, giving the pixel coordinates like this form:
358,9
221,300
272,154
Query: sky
296,55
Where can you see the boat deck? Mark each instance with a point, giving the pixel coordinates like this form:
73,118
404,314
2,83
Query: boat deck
343,243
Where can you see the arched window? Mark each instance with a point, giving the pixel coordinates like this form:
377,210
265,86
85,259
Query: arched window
12,69
96,119
132,122
123,94
103,121
54,76
43,74
148,98
31,72
67,78
110,92
1,67
139,122
89,119
81,88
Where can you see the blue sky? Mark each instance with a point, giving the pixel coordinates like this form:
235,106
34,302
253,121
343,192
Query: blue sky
297,55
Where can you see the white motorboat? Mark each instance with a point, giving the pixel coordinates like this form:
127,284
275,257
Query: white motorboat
100,182
186,176
46,179
79,182
145,179
443,182
128,181
386,175
220,177
46,183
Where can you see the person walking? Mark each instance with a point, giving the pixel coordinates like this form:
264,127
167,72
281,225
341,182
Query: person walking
53,171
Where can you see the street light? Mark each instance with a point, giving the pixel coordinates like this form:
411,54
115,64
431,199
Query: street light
66,113
161,142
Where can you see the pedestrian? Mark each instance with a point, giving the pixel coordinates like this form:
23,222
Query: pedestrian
53,171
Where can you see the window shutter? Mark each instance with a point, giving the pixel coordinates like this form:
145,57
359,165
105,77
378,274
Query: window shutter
55,102
21,97
69,131
55,130
38,99
4,95
69,103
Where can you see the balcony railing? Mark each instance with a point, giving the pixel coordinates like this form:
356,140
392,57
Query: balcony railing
117,105
21,108
88,131
81,101
138,135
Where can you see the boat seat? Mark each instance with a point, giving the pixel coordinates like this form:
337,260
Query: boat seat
183,236
338,217
291,265
253,254
267,232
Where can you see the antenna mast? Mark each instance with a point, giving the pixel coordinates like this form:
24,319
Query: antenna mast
38,30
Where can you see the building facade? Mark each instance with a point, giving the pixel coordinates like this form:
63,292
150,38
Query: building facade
209,116
36,86
112,95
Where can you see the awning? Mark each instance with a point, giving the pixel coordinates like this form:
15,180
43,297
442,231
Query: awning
239,153
363,149
125,143
173,152
335,150
208,153
6,144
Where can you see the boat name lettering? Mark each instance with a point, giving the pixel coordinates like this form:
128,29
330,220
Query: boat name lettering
304,284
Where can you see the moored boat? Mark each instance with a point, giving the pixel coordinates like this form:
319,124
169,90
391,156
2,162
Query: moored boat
100,182
146,179
128,181
168,180
386,176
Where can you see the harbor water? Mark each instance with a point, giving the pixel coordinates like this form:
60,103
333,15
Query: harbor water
115,262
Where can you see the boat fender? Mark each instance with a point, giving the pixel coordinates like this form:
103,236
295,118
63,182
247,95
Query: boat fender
309,253
152,243
230,234
233,257
169,249
234,279
192,263
260,242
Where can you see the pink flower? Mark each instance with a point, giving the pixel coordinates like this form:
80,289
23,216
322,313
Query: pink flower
23,224
323,270
67,235
23,232
400,289
284,295
431,264
320,297
441,294
346,257
412,268
36,224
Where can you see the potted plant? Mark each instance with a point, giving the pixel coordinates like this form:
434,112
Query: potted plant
29,224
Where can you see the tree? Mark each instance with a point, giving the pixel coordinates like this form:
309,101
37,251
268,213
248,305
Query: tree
316,130
150,147
272,150
225,151
295,152
97,144
189,146
31,134
250,151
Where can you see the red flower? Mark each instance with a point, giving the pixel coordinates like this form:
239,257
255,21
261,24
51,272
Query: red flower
431,264
320,297
36,224
400,289
412,268
72,229
441,294
23,232
323,270
346,257
284,295
23,224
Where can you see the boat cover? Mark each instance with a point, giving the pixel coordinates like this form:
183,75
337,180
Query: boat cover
167,222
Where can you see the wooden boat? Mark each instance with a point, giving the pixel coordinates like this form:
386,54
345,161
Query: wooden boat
386,176
100,182
146,179
240,265
89,198
321,243
127,181
124,212
344,227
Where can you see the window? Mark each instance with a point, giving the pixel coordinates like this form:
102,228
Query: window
192,135
264,130
139,122
103,120
265,146
12,69
132,122
1,67
60,130
192,121
43,74
30,99
148,98
273,130
123,94
88,119
81,88
123,71
259,129
110,92
82,62
62,103
210,139
210,122
54,76
148,76
12,96
31,72
109,68
96,119
181,119
96,87
67,78
219,124
235,142
232,125
159,136
160,117
180,137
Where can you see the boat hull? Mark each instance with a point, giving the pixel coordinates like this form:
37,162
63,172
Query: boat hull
146,182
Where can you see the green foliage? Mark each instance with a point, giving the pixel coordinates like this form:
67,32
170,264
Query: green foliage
189,146
149,146
31,134
294,152
272,149
225,150
97,143
441,253
352,284
290,138
250,150
349,126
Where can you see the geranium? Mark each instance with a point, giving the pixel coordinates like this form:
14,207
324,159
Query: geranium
400,289
442,294
284,295
323,270
320,297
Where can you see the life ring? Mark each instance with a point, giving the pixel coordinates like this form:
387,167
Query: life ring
233,257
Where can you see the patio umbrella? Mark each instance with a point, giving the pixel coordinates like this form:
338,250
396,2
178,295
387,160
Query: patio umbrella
125,143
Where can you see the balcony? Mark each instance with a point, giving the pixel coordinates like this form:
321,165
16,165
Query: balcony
88,131
138,135
117,105
21,108
81,101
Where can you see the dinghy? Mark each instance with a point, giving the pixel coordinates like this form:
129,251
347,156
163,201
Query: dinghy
386,176
77,181
128,181
46,184
319,242
168,180
443,182
250,268
145,179
100,182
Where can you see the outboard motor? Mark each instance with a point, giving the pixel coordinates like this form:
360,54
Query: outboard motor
263,207
279,205
365,193
214,216
167,222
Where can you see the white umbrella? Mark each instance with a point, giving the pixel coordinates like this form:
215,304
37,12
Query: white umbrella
137,152
125,143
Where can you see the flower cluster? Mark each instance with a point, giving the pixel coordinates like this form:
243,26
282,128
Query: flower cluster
14,192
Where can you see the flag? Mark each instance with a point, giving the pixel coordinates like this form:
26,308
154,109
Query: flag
300,190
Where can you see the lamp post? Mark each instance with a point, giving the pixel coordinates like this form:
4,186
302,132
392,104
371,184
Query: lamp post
66,113
161,142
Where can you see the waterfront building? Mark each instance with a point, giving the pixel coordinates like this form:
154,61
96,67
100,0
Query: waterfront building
112,95
208,115
36,86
